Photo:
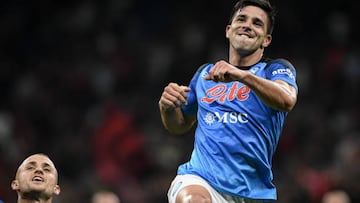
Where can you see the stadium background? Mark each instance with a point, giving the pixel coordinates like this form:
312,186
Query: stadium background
80,81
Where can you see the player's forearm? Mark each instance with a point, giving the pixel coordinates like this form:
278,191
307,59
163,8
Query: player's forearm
278,95
174,120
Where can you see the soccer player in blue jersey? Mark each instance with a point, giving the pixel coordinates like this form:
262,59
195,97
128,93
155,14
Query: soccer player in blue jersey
240,106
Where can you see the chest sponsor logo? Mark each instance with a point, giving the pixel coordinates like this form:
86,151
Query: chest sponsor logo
222,93
225,117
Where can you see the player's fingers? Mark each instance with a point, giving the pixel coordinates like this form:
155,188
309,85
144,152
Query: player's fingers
176,94
221,74
212,77
169,100
211,73
181,96
184,95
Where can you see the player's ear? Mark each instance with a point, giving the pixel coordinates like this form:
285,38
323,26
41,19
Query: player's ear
15,184
226,31
267,41
57,190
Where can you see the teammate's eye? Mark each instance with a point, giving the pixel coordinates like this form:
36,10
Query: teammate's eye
47,169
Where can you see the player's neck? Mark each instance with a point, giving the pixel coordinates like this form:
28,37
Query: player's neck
33,199
245,60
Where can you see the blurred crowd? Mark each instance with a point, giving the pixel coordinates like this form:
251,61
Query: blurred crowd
80,81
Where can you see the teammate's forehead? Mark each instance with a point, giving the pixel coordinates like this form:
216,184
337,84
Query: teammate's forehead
38,159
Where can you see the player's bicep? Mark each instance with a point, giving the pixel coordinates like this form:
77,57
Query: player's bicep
287,87
290,93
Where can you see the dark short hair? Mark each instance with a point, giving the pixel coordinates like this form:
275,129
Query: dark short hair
263,4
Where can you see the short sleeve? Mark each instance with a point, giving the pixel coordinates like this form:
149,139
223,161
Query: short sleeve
191,107
281,69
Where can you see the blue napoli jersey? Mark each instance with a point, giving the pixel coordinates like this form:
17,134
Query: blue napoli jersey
237,134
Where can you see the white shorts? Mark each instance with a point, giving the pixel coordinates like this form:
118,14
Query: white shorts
182,181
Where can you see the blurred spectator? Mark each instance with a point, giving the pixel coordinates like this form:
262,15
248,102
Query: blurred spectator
104,196
120,155
336,196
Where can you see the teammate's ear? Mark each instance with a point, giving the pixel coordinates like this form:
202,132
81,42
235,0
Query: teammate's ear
57,190
15,184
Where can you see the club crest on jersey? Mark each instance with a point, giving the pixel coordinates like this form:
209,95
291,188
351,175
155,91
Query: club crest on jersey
254,70
222,93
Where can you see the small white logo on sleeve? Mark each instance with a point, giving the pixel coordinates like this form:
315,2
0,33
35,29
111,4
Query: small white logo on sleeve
285,71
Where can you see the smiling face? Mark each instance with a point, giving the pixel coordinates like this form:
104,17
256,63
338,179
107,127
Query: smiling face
247,32
37,175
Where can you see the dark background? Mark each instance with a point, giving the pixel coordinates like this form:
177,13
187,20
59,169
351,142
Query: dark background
80,81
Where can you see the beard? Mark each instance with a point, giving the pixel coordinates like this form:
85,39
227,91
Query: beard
244,51
245,47
35,192
31,195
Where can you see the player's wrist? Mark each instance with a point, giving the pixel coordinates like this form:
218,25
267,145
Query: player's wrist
165,107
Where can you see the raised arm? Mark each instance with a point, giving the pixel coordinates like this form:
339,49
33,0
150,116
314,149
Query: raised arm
172,116
277,94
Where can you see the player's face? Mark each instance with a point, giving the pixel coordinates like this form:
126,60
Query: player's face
37,174
248,30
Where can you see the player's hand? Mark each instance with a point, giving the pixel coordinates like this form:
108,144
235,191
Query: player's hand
222,71
173,96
